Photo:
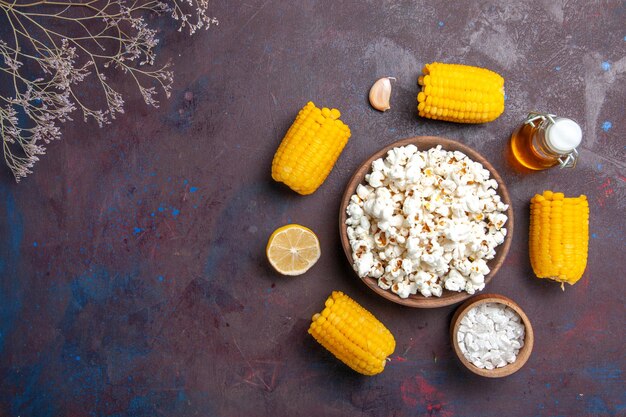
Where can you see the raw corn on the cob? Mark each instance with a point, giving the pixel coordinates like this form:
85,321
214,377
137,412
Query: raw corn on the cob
559,235
353,334
310,149
460,93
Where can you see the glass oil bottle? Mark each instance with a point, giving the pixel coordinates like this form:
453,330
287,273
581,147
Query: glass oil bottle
545,140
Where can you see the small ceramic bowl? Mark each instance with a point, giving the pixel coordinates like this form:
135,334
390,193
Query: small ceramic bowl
424,143
524,352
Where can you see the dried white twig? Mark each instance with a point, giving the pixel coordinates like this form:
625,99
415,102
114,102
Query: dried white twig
49,49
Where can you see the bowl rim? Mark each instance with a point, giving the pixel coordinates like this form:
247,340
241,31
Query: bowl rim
424,143
524,352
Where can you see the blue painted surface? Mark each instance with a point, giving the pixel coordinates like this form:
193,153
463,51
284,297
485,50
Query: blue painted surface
596,406
10,254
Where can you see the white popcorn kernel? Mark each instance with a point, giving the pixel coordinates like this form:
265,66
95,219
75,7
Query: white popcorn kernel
443,210
458,211
355,211
407,266
379,165
497,219
454,281
425,290
375,179
428,179
385,226
472,203
409,150
417,160
397,172
363,191
380,239
489,183
448,186
364,223
393,251
413,174
403,290
383,283
411,206
477,279
363,264
396,221
436,290
459,156
394,268
458,232
359,246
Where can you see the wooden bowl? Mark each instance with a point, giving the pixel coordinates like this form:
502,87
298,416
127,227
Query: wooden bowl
522,356
424,143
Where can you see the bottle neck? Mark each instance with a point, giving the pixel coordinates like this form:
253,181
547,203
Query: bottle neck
540,143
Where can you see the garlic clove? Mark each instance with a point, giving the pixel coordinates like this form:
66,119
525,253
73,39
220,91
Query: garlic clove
380,93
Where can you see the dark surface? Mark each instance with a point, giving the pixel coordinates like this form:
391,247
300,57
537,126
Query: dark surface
133,273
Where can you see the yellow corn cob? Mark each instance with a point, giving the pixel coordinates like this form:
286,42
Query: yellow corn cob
353,334
310,149
460,93
559,235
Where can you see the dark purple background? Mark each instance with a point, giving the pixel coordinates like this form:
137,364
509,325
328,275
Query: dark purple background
132,264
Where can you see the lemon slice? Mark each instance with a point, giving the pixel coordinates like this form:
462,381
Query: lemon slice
293,249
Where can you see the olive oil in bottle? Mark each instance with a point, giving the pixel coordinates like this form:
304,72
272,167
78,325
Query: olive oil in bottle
545,140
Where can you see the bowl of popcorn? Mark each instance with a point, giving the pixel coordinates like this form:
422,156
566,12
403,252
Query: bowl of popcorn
426,222
491,335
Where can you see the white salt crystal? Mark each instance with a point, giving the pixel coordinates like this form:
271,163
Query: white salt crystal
491,335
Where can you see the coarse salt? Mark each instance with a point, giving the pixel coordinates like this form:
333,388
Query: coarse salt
491,335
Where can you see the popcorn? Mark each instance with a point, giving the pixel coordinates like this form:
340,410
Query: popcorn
363,191
375,179
365,264
426,221
402,289
454,281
